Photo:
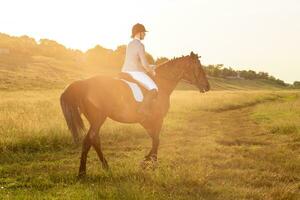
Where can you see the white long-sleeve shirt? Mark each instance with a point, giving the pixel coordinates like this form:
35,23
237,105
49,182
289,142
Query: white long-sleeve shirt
135,59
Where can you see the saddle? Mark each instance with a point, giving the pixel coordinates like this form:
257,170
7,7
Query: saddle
127,77
139,93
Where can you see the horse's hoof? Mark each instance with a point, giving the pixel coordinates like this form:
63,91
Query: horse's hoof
81,175
149,164
105,167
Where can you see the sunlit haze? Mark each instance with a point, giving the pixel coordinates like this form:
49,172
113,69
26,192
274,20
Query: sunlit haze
263,35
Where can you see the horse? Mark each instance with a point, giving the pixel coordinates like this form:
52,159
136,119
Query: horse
100,97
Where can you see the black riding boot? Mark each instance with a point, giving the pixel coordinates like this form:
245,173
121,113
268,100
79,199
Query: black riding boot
145,107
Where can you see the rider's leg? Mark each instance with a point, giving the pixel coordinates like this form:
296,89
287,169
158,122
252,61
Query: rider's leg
143,79
145,107
150,94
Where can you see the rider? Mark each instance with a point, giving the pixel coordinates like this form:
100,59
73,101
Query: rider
137,66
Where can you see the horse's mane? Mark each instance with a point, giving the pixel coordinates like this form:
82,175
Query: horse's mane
169,62
169,68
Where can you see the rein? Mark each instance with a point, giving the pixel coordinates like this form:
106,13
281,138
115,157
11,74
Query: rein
181,74
191,82
178,77
173,77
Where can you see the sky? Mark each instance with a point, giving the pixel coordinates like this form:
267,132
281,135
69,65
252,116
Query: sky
262,35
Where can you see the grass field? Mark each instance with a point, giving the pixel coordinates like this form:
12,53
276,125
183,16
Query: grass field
218,145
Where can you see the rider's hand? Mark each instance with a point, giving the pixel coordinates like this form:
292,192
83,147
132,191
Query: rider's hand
152,72
152,66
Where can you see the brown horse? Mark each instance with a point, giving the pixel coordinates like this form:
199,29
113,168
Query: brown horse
100,97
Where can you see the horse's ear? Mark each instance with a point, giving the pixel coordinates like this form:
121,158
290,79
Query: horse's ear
194,55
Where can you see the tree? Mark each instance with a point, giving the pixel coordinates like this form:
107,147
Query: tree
296,84
99,56
263,75
119,56
214,70
149,58
226,72
250,74
51,48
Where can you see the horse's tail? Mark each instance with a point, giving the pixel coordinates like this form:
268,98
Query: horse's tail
70,100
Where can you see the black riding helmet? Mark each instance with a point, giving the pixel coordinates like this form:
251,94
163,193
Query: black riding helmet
137,28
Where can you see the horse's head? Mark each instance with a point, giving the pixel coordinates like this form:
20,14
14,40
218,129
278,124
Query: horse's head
187,68
195,74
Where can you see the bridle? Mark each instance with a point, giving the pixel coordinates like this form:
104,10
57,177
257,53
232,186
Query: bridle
173,77
179,76
192,82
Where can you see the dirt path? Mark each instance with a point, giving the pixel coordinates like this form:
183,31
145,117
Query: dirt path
244,160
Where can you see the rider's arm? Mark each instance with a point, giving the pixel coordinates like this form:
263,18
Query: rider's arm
142,55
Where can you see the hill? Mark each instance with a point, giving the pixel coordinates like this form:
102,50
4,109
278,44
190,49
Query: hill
50,73
27,64
46,72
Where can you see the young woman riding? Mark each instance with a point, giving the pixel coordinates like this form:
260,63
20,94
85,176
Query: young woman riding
137,66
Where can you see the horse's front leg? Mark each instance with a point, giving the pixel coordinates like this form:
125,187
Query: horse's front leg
152,155
153,129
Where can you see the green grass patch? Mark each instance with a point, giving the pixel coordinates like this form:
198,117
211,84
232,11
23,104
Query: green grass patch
281,117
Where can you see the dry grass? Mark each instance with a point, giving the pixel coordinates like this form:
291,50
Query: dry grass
218,145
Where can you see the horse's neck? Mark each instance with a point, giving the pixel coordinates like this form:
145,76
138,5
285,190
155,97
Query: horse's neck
166,86
168,76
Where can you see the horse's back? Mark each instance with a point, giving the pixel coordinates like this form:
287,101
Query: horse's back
111,96
107,88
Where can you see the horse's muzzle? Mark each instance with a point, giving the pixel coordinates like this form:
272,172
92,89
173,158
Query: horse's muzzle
204,89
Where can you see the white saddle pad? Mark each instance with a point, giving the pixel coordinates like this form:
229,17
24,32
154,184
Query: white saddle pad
136,91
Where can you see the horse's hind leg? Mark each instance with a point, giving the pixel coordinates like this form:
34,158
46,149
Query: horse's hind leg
85,149
89,140
96,142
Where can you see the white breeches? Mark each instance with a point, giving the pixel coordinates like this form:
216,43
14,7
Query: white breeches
143,79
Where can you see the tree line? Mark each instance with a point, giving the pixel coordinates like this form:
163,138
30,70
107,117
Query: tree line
225,72
20,51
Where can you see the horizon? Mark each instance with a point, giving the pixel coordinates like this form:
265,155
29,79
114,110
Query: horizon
155,58
256,35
